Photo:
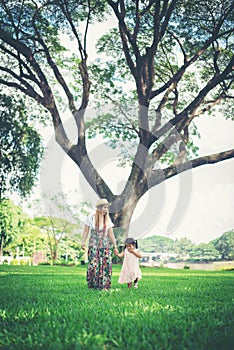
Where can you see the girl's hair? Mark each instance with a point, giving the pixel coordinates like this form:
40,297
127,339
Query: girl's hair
131,241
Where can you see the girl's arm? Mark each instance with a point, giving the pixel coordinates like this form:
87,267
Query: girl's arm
136,253
121,255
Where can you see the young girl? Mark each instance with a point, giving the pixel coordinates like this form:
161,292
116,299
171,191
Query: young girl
130,269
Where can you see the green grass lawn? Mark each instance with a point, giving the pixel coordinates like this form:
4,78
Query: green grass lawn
51,308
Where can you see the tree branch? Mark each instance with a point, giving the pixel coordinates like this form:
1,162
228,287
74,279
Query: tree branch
159,176
147,8
180,45
54,67
30,75
209,104
190,111
81,158
160,107
178,75
27,53
82,67
184,118
28,92
164,146
48,100
137,22
124,33
210,159
124,114
167,15
168,142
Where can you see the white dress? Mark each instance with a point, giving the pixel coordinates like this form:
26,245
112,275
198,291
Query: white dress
130,268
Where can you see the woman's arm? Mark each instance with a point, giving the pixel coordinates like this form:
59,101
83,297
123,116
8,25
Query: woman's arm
112,239
85,235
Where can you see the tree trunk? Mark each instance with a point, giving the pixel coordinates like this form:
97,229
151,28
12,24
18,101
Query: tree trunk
121,211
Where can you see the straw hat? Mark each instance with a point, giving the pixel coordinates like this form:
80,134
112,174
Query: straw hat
101,202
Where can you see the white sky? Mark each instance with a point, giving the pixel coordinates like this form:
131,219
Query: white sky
197,204
209,212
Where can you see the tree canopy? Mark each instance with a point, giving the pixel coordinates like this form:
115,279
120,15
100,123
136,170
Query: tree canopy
172,59
21,147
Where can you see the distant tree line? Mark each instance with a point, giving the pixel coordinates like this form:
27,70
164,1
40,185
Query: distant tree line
20,236
60,239
221,248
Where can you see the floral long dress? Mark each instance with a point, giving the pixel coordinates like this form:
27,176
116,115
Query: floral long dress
99,260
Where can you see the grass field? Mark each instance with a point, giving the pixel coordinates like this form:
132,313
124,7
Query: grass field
51,308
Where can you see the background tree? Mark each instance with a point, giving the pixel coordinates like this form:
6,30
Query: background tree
204,252
29,239
11,223
225,245
158,244
57,230
21,147
183,247
159,47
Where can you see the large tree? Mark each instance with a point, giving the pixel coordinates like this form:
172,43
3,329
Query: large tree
159,46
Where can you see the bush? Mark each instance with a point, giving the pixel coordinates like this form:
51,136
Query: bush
226,268
44,263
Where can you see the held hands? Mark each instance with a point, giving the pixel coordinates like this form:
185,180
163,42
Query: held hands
83,246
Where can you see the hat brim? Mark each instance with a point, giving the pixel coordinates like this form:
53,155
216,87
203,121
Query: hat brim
101,204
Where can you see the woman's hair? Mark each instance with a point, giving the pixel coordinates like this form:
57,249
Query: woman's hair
98,215
131,241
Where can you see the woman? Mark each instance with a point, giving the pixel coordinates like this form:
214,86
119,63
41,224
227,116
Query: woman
99,225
